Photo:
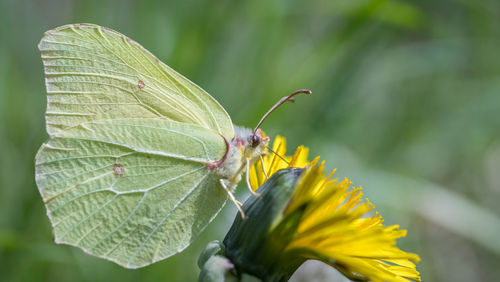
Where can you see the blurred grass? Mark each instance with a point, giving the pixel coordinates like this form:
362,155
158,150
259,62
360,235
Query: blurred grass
406,103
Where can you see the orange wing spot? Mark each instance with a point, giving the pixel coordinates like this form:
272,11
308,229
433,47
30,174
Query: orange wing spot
118,170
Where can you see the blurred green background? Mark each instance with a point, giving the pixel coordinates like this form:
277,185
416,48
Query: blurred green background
406,103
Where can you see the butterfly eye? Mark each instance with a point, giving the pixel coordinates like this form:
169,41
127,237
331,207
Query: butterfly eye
254,140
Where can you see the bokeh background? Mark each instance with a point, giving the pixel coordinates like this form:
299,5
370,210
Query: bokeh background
406,103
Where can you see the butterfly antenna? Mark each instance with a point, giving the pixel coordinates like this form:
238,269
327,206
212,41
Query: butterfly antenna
269,148
281,102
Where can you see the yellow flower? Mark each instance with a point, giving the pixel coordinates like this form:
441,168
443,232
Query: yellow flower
334,225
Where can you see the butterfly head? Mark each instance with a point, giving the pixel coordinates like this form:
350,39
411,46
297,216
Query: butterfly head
251,143
256,144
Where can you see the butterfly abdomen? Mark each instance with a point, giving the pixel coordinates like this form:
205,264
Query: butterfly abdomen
230,166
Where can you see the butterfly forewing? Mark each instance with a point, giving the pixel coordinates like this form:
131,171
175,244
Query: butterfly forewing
94,73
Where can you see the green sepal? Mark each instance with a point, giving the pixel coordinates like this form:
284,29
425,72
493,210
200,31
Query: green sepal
255,245
212,248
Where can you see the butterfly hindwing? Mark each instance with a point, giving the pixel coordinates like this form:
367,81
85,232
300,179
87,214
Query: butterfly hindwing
133,191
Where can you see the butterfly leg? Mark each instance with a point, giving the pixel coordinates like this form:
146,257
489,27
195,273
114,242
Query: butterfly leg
263,167
233,199
248,180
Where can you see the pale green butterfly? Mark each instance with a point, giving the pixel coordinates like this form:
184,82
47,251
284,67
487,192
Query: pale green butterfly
139,159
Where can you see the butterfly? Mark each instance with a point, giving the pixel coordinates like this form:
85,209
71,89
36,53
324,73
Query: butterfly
139,159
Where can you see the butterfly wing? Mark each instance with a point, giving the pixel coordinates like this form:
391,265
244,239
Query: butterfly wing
123,175
133,191
94,73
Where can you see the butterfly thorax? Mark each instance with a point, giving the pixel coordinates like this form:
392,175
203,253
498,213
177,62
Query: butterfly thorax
245,145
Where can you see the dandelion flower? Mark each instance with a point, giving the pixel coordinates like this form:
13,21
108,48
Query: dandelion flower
304,215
